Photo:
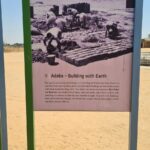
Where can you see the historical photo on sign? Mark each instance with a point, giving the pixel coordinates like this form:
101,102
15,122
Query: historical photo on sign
82,54
80,32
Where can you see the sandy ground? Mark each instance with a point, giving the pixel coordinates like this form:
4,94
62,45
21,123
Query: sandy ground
145,50
71,130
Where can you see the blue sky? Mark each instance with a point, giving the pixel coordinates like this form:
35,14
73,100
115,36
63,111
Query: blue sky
146,18
12,20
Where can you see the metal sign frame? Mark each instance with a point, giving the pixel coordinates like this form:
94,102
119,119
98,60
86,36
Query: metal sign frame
3,117
133,133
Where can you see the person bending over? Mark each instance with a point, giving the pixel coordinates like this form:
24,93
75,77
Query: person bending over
52,40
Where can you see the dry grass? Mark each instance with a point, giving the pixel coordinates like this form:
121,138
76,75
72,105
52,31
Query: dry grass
13,49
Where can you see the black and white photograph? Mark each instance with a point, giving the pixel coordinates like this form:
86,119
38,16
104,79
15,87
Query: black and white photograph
80,32
86,46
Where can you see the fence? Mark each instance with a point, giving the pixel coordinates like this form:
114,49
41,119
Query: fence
145,59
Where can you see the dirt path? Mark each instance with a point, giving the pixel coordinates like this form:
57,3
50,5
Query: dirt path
71,130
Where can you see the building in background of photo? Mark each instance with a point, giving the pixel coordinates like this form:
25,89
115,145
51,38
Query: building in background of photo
130,4
146,42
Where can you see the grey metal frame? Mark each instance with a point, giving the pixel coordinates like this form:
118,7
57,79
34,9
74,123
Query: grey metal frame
133,132
3,119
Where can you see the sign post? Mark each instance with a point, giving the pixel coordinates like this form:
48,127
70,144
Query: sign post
3,118
60,64
28,75
133,131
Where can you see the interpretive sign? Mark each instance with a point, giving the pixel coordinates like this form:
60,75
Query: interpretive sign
82,54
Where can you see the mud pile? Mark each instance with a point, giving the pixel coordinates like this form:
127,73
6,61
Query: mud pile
39,56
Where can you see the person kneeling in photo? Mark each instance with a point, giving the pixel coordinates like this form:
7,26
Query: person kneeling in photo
52,41
112,31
